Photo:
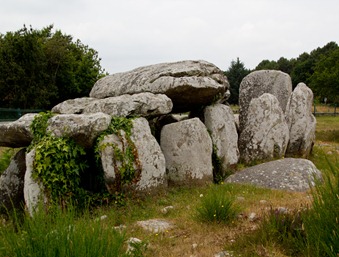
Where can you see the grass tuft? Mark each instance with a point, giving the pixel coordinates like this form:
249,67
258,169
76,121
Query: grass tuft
217,206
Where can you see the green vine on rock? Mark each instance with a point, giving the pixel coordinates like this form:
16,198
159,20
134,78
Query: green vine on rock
125,160
39,127
58,162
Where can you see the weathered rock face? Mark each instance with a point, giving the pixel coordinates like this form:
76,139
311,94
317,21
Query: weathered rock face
286,174
33,190
73,106
142,104
12,182
18,133
189,84
265,134
301,122
83,128
257,83
187,147
219,120
150,160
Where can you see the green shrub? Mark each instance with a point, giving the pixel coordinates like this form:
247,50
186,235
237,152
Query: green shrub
217,206
60,232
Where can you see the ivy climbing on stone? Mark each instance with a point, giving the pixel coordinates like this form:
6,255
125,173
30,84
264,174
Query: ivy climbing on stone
58,163
125,160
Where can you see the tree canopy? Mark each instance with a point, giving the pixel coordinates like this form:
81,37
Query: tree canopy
40,68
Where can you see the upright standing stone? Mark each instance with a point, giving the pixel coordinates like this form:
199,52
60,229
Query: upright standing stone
301,122
265,134
219,120
12,182
187,147
148,159
33,189
257,83
151,158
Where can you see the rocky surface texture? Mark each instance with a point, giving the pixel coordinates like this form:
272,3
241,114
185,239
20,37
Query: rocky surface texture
257,83
286,174
189,84
142,104
17,133
301,122
12,182
220,122
187,147
265,134
150,162
172,148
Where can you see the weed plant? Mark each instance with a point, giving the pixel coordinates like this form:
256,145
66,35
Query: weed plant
5,159
321,222
60,233
217,206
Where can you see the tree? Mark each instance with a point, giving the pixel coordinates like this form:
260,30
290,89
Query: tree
235,73
267,65
305,64
39,68
325,79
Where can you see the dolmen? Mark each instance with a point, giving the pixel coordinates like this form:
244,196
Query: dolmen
182,129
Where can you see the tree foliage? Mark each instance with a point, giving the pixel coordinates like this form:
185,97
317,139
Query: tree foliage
235,73
319,69
40,68
325,79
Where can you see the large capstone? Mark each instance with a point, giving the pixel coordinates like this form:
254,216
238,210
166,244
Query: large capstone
189,84
301,122
265,134
257,83
142,104
187,147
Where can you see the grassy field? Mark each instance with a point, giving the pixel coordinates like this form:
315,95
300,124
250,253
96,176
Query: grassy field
325,108
189,236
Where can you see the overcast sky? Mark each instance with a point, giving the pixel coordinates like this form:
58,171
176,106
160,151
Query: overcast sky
132,33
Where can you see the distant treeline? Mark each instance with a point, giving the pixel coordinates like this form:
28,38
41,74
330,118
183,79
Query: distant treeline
319,69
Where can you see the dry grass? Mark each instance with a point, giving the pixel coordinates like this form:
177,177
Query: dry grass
191,237
325,108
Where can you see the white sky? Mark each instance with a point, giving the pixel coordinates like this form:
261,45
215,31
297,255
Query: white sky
132,33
